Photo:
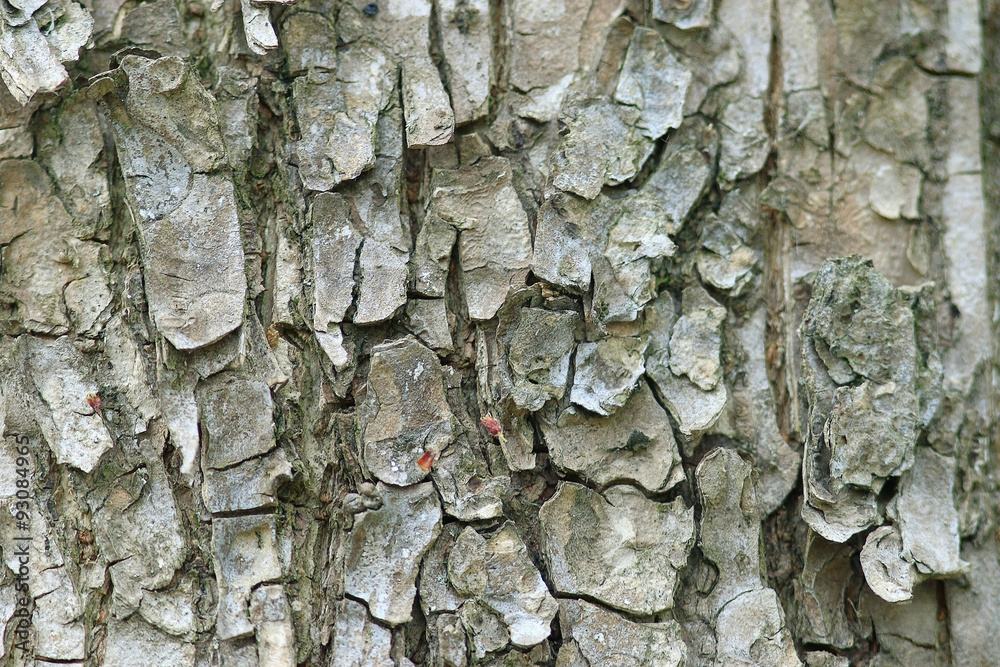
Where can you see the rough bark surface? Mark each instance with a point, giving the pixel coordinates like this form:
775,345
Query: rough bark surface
570,333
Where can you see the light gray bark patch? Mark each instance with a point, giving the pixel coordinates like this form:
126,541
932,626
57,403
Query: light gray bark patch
925,512
236,418
619,548
685,14
249,485
484,628
684,172
888,572
539,349
246,554
635,444
499,573
138,530
36,43
335,244
467,43
860,372
357,640
403,26
494,240
607,372
170,147
544,48
446,641
338,111
272,620
693,409
133,642
436,592
55,280
75,433
405,413
603,146
751,418
469,490
826,577
748,618
385,549
428,320
696,337
605,638
653,81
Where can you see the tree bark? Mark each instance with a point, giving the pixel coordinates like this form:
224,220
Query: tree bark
451,333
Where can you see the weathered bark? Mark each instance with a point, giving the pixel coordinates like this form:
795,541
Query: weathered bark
449,333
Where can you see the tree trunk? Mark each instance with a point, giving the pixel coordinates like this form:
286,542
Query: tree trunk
573,333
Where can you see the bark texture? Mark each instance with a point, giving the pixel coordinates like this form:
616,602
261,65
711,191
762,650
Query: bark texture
570,333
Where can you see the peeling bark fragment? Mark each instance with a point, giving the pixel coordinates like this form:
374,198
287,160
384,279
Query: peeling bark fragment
56,280
358,641
725,260
484,627
685,14
405,413
653,81
827,572
749,621
751,419
468,489
744,139
246,555
138,529
499,573
446,641
172,611
468,51
539,349
428,320
77,163
684,172
888,572
36,44
432,256
59,632
386,547
751,633
75,433
337,113
237,101
605,638
257,27
619,548
404,26
335,245
133,642
436,592
926,515
729,534
250,485
494,242
635,444
603,146
563,243
859,330
696,337
607,372
272,620
169,143
236,418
